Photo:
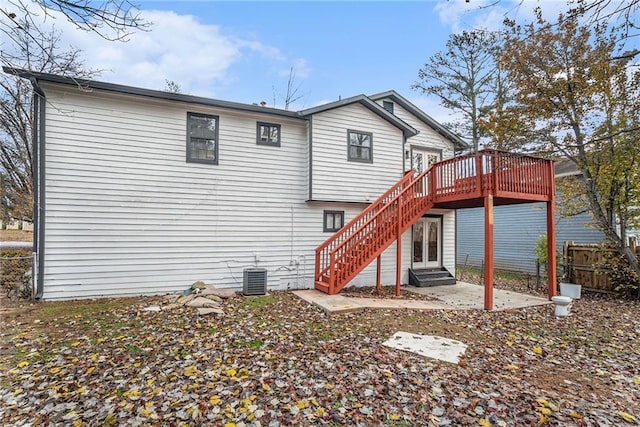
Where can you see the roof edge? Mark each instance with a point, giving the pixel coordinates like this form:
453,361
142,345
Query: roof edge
150,93
427,119
367,102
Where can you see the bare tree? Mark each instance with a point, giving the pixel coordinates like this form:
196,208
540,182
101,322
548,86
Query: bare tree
621,14
292,93
466,79
171,86
37,52
110,19
24,44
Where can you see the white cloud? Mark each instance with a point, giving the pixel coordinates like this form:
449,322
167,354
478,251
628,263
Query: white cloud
489,14
178,47
199,57
457,14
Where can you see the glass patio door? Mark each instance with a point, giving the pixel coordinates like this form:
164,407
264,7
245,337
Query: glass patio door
426,243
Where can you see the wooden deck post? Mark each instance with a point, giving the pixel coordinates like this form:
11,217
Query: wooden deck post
551,231
488,252
378,286
551,248
399,247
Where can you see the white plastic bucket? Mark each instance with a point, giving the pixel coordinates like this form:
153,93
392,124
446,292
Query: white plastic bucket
570,290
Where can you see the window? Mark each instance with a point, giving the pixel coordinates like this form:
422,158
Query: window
333,220
202,138
268,134
388,105
360,146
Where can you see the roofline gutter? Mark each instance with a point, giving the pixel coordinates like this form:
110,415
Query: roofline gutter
87,84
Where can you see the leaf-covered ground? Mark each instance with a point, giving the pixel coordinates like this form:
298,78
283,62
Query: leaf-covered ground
277,361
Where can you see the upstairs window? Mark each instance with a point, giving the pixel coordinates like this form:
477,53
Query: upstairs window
360,146
268,134
388,105
202,138
333,221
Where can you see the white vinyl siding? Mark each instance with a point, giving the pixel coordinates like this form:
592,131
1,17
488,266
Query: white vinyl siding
126,215
427,137
335,178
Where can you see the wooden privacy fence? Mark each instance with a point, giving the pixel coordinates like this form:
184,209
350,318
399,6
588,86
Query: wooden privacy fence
584,266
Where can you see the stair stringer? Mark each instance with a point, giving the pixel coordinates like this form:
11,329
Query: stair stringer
351,270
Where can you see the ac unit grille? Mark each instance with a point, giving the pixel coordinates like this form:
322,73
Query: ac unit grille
255,281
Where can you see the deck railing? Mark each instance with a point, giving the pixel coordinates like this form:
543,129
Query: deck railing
359,242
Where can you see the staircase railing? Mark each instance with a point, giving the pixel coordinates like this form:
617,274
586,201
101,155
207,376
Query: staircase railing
324,250
344,255
359,242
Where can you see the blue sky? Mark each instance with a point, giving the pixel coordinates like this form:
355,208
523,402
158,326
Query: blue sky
336,48
243,51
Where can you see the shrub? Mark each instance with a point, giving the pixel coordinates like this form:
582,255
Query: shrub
540,252
623,278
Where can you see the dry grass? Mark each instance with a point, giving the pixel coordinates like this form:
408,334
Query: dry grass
16,236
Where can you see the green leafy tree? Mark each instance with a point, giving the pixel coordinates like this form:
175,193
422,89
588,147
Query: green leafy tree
573,98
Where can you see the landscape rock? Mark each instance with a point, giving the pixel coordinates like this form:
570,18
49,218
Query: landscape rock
198,285
222,293
200,302
209,310
183,300
212,297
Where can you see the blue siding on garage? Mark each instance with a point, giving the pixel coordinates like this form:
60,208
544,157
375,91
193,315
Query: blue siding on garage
516,229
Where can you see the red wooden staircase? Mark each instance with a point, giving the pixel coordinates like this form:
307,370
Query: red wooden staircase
455,183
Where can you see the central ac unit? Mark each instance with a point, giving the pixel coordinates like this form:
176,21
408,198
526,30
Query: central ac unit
255,281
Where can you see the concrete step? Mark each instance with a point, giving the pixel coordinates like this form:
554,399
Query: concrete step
431,277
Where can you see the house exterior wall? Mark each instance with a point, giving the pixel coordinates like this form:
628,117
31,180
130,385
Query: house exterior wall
427,137
127,215
334,177
516,229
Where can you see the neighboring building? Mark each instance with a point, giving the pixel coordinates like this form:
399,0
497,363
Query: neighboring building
517,228
144,192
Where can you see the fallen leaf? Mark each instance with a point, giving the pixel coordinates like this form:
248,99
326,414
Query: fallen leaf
627,417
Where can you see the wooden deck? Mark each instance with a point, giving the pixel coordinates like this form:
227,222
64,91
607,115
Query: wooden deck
487,178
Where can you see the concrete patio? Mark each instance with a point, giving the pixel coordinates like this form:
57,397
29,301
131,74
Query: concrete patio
461,296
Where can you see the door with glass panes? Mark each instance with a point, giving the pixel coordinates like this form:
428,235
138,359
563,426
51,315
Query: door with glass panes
426,243
421,159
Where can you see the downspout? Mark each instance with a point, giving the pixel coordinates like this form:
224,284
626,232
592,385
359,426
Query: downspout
310,197
38,138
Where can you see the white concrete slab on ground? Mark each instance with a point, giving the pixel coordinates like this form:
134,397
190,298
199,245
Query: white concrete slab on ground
329,303
340,304
431,346
464,295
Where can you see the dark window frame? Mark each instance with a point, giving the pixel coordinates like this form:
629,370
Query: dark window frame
359,159
335,214
388,105
259,140
191,159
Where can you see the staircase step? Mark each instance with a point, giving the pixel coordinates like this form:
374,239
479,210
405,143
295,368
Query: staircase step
432,274
322,287
431,277
436,282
